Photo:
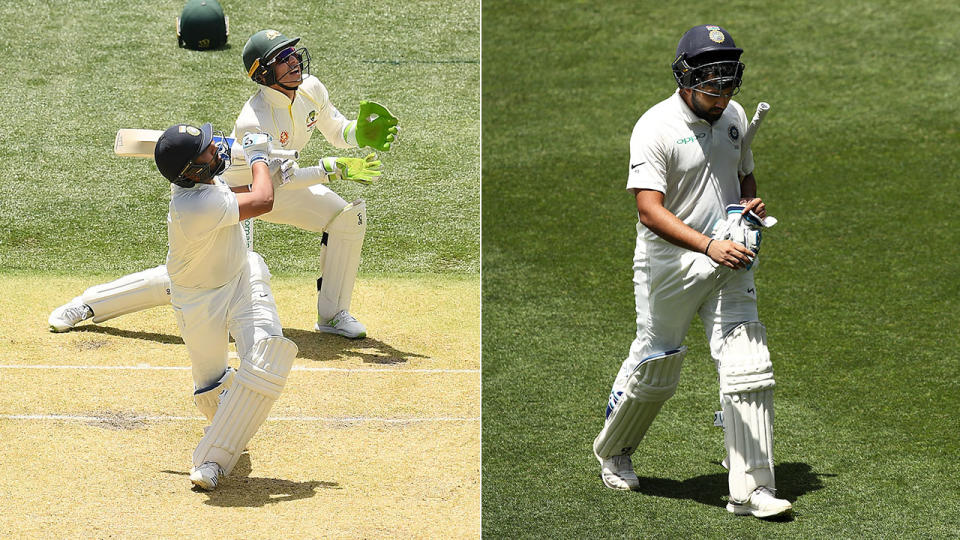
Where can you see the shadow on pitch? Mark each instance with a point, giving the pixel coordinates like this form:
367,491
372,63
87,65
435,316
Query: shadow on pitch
325,347
241,490
793,481
147,336
313,345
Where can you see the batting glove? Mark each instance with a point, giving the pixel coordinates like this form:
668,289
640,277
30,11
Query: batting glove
256,147
360,170
376,127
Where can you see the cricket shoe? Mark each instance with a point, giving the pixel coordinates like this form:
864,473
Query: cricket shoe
762,504
344,324
206,476
617,473
68,315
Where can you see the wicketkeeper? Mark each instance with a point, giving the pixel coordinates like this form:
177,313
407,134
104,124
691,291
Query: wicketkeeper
218,287
290,106
698,235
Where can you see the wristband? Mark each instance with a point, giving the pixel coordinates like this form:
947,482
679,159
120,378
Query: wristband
707,249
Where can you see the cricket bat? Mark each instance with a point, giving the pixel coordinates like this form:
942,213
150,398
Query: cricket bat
141,142
762,109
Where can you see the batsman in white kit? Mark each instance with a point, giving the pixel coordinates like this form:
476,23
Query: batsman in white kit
289,106
219,288
698,236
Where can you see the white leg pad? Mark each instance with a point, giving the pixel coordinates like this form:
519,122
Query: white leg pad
340,259
133,292
630,414
208,399
746,388
256,386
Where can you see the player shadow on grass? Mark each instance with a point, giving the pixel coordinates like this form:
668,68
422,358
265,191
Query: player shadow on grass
241,490
793,481
326,347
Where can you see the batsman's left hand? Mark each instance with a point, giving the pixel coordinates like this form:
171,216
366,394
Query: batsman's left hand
756,205
376,127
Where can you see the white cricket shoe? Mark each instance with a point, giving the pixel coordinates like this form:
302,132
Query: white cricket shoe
206,476
617,473
762,504
68,315
344,324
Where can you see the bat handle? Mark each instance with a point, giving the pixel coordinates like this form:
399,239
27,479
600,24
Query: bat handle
287,154
762,109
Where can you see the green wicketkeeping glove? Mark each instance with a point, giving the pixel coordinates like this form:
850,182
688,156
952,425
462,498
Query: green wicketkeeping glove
362,170
376,127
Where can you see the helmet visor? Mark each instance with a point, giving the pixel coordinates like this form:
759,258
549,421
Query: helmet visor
720,78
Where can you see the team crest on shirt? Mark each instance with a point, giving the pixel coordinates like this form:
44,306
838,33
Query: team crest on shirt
733,132
311,119
284,137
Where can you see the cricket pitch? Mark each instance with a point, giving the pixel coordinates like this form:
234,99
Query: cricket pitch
373,438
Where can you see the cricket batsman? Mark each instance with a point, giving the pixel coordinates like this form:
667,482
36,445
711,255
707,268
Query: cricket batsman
691,177
220,287
289,106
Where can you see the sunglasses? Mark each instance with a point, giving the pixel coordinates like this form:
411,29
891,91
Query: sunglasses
283,55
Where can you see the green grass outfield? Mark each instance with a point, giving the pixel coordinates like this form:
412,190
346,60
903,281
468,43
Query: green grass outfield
858,286
78,71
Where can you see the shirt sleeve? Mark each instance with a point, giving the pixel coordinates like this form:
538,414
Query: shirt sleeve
204,212
648,159
334,126
247,122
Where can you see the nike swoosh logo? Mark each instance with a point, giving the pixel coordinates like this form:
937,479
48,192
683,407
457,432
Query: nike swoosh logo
637,165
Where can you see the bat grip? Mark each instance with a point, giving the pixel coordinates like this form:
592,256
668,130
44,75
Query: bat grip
286,154
762,109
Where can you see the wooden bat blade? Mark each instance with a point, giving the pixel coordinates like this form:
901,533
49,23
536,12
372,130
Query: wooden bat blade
141,142
136,142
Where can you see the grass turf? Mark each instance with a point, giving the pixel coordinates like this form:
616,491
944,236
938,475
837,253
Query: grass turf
88,68
77,215
857,286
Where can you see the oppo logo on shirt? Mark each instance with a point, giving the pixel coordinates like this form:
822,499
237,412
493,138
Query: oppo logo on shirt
692,138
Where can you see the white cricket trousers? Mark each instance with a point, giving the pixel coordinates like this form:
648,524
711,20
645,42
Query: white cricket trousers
671,285
243,308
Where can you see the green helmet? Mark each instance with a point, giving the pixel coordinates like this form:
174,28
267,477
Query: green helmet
202,25
265,47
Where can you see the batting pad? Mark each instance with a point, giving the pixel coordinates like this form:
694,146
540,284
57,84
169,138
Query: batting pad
133,292
746,389
208,399
256,386
340,259
630,414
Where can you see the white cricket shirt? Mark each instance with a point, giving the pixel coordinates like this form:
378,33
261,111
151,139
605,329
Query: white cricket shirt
693,163
207,247
290,124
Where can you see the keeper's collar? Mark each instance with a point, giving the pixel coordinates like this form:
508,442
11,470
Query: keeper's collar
275,97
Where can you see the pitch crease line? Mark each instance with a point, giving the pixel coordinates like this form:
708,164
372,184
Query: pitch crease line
295,368
80,418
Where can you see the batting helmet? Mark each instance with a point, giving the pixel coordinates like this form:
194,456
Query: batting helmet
267,47
179,145
707,56
202,25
